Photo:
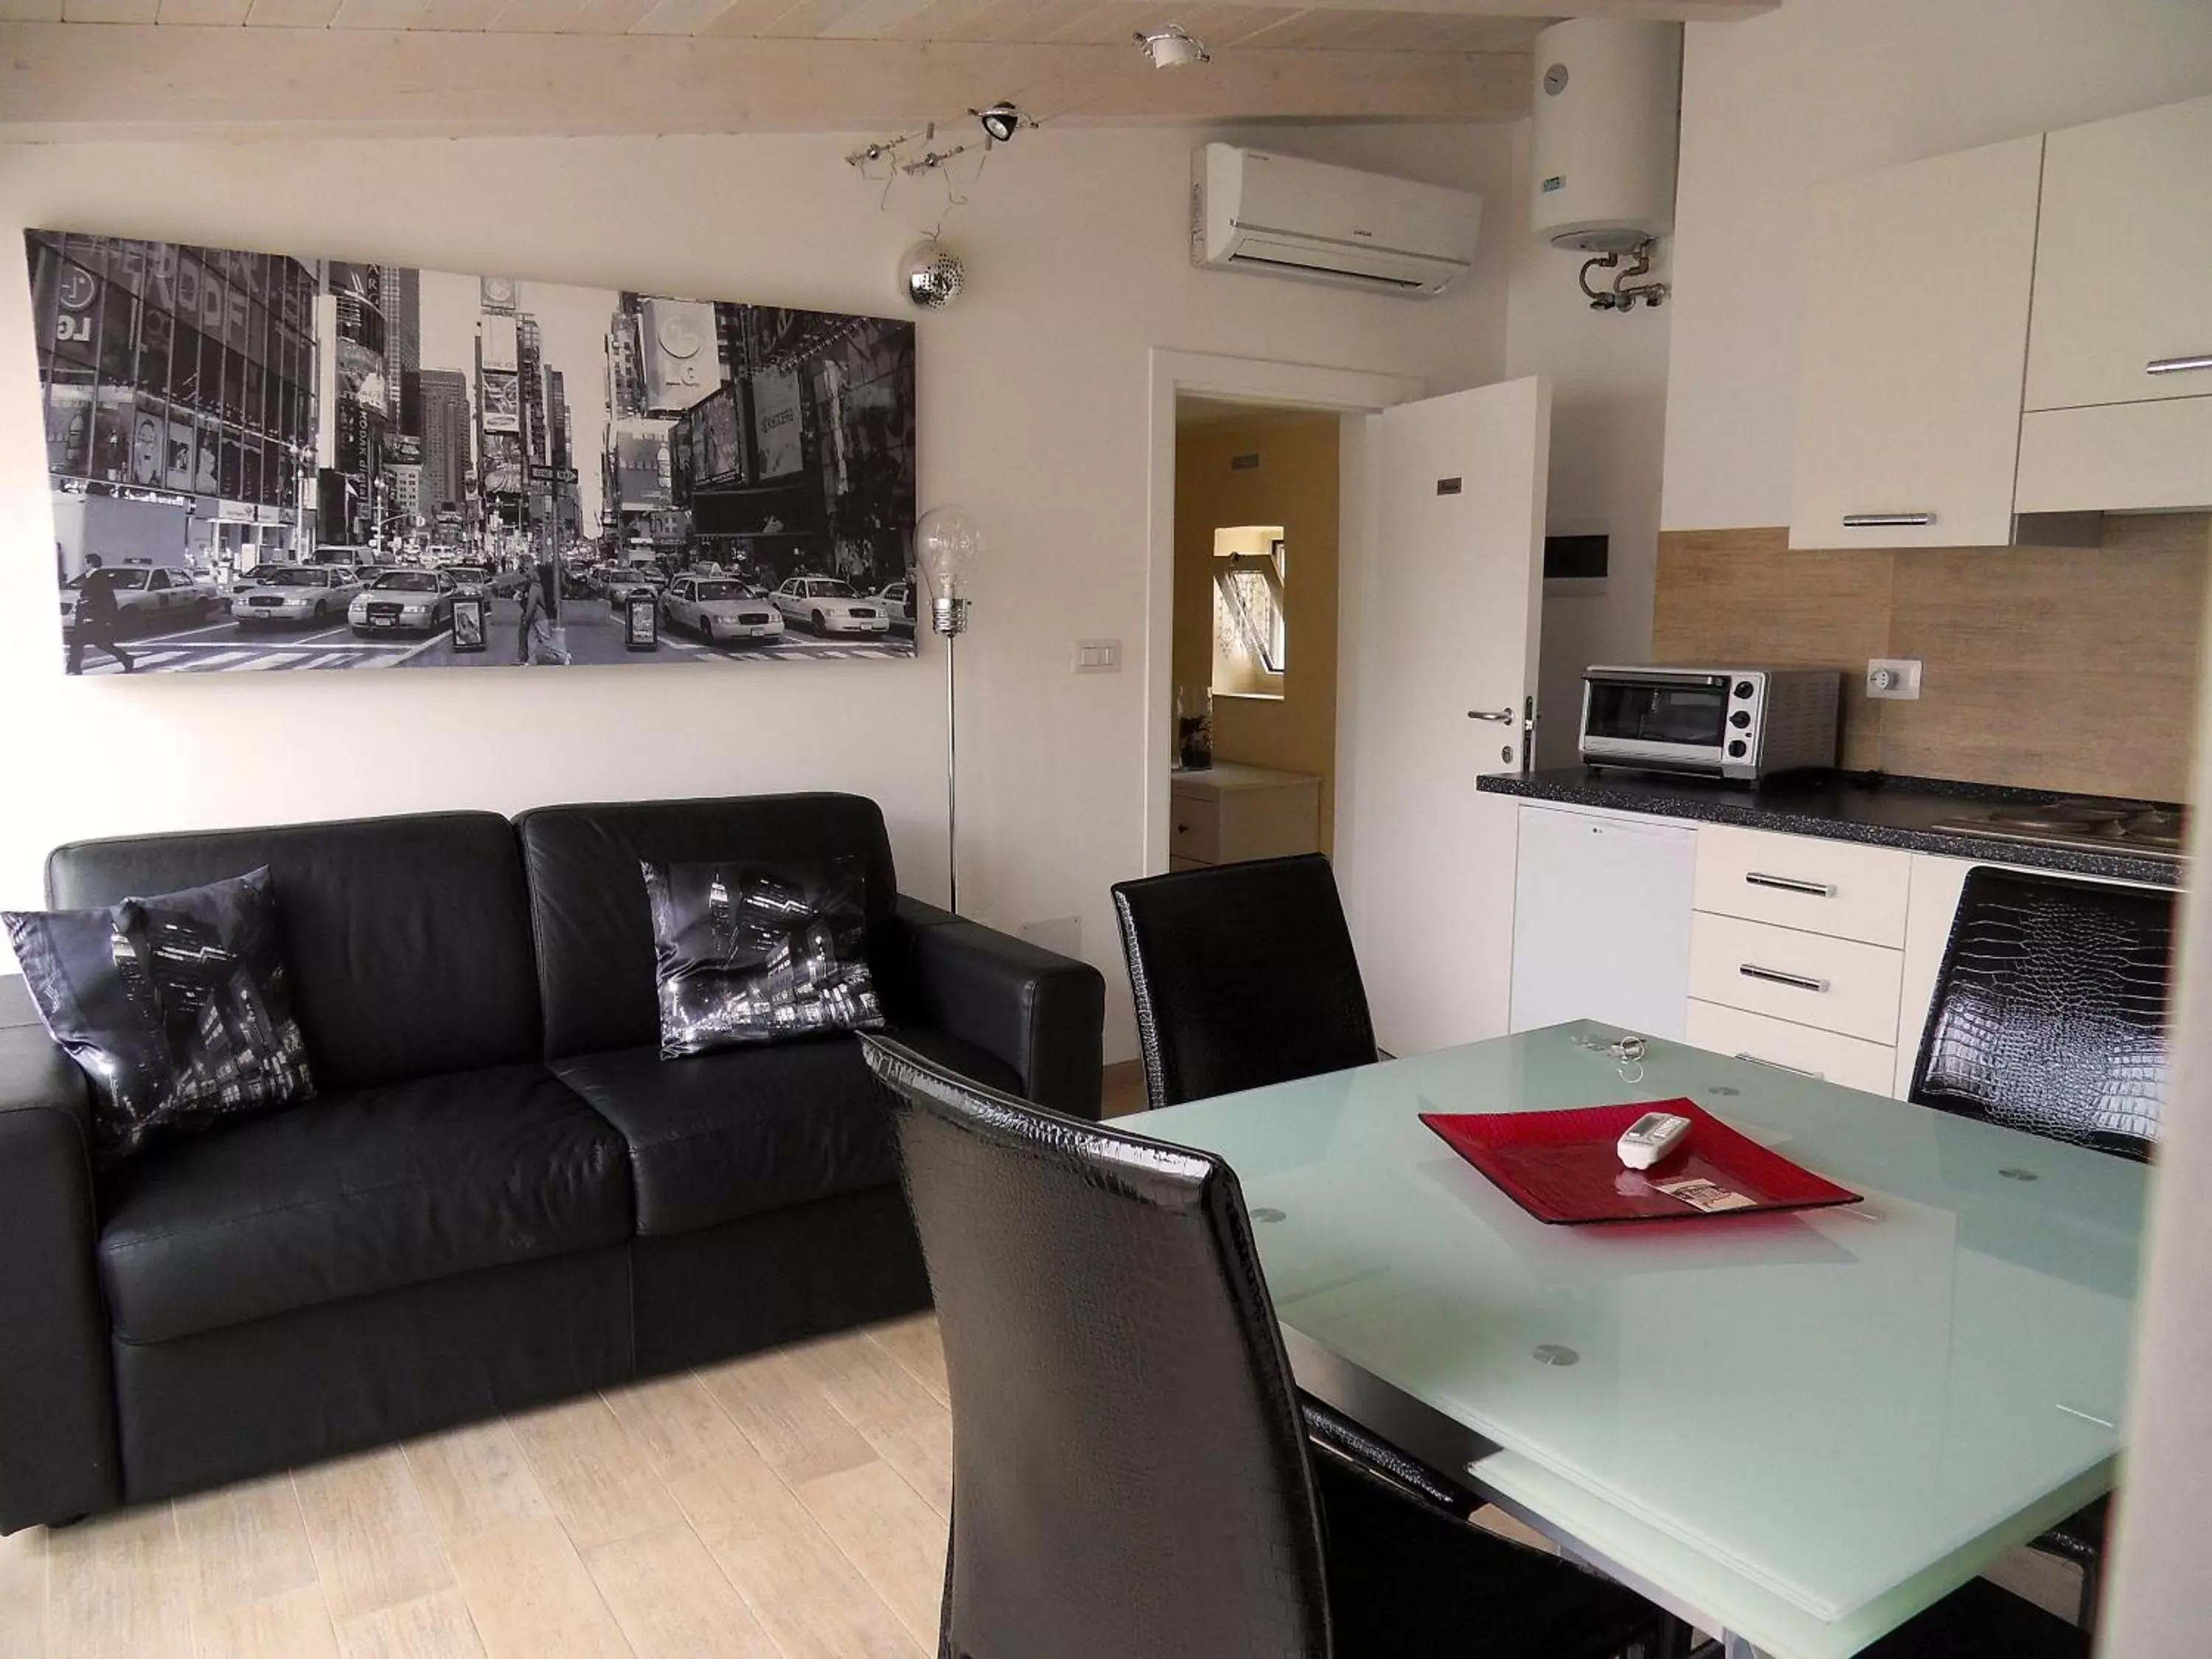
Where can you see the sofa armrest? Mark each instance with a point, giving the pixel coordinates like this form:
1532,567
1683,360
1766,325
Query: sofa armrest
58,1447
1043,1014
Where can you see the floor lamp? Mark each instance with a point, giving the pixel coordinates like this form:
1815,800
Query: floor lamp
945,545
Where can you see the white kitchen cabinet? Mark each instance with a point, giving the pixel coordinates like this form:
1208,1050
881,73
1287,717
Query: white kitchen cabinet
1915,336
2120,257
1602,920
1806,1049
1229,813
2119,358
1832,887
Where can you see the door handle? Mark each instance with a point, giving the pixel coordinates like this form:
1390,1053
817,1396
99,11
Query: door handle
2178,365
1503,716
1775,976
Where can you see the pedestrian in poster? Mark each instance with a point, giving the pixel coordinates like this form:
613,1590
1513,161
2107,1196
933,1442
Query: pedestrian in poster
98,617
533,618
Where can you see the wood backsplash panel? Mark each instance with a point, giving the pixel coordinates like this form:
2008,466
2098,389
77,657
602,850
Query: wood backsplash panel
2051,668
2056,668
1742,596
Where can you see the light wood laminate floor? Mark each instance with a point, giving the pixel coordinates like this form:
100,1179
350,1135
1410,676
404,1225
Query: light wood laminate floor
789,1505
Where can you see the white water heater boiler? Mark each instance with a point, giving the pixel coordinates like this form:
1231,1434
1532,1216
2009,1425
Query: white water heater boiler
1608,115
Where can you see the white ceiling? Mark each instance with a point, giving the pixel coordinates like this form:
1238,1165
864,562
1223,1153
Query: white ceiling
147,69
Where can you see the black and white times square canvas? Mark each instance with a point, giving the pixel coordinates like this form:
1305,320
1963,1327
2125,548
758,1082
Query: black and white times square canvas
265,461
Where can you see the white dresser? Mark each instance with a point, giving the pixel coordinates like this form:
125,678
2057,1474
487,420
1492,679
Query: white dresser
1230,812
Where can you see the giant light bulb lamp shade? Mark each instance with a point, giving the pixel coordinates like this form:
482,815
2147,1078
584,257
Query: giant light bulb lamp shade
946,544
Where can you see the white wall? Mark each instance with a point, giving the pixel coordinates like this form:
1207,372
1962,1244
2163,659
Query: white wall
1608,419
1824,88
1033,413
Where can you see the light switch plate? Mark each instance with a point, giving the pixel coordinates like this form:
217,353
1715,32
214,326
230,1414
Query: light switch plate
1894,677
1098,656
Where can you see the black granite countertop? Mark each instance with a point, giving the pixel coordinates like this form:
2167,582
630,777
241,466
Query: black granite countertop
1861,806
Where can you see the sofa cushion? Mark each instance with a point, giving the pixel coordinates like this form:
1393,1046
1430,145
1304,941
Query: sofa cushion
405,941
720,1136
595,928
364,1190
175,1004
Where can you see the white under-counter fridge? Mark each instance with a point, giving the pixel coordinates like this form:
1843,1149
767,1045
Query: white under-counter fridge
1602,920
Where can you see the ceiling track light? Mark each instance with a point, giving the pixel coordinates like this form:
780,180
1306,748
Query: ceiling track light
1172,47
1002,120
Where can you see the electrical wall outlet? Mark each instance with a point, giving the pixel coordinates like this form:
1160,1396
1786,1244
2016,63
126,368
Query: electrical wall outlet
1894,677
1098,656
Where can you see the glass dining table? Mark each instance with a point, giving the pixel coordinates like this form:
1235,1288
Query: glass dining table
1796,1430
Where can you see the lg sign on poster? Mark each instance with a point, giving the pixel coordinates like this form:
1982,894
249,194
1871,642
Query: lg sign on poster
262,462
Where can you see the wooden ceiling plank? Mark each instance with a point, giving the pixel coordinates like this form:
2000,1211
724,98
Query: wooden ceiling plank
211,13
935,21
469,15
533,16
379,14
145,81
748,19
679,16
606,16
291,13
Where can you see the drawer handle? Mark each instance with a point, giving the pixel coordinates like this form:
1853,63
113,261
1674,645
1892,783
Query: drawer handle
1777,1066
1775,976
2178,365
1887,520
1791,884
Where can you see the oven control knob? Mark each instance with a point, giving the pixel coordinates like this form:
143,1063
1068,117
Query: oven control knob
1738,748
1741,719
1744,687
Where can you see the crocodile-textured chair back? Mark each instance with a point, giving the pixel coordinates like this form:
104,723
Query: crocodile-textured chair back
1244,975
1129,1475
2050,1010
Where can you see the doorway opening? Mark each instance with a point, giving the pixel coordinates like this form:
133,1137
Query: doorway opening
1258,506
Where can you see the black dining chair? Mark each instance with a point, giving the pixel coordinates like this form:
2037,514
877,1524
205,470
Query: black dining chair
1130,1471
1244,975
2050,1016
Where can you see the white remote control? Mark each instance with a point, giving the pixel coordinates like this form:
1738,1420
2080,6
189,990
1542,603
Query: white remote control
1650,1138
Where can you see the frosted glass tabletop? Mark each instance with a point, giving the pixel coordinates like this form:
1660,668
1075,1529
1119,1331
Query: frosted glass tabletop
1847,1411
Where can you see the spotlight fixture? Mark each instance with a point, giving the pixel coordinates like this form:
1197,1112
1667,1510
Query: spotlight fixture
1172,47
1001,120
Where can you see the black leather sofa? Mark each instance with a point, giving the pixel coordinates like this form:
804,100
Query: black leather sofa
502,1194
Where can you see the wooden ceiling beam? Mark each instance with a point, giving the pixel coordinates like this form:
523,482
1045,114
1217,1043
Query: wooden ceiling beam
62,81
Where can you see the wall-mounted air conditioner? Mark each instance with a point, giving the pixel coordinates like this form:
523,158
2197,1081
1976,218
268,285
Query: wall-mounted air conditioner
1275,215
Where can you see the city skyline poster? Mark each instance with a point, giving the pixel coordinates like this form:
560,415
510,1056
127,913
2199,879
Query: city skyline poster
272,462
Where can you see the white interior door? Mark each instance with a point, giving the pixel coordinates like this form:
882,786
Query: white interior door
1443,610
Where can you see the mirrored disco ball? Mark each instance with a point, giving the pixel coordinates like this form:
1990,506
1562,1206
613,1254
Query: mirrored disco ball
932,275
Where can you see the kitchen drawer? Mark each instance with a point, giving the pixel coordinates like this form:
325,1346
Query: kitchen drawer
1832,887
1194,827
1838,985
1828,1055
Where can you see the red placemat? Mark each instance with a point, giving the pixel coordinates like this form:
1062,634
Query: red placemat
1563,1166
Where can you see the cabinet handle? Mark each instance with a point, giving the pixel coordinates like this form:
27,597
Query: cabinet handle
1775,976
2178,365
1777,1066
1885,520
1790,885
